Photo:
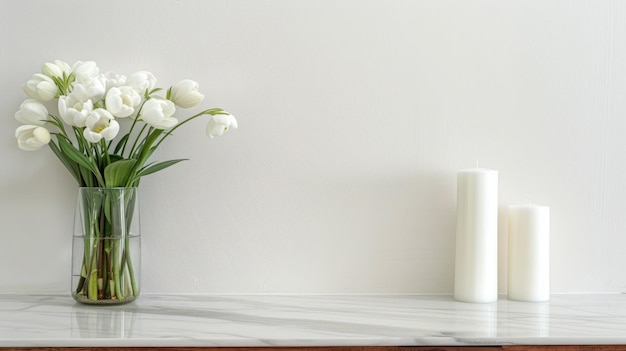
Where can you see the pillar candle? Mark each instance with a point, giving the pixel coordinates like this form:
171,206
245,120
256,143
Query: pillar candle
476,259
529,253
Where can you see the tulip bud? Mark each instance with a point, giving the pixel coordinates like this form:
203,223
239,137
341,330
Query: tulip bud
86,71
56,69
185,93
142,81
158,113
40,87
31,137
219,124
32,112
113,80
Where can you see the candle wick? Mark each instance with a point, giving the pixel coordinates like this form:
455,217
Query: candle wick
477,164
529,202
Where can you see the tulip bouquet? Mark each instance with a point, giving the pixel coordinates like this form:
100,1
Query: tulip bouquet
91,108
106,129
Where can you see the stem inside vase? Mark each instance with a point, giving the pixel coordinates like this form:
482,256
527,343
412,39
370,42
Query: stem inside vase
106,251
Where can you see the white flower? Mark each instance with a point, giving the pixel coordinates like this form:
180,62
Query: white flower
100,125
32,112
40,87
142,81
113,80
56,69
85,72
218,124
75,107
158,113
31,137
185,93
95,88
121,102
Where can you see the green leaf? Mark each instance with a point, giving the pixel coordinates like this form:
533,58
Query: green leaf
115,158
121,143
119,173
70,151
54,122
88,177
71,166
106,160
146,149
154,91
157,167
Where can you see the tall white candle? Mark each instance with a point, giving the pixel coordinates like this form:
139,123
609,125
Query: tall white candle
476,259
529,253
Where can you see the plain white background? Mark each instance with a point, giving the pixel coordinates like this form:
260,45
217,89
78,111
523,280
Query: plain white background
354,117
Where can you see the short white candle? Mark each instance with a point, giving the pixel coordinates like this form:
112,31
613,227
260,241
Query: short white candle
476,259
529,253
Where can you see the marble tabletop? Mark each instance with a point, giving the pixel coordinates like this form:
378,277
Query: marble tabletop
311,320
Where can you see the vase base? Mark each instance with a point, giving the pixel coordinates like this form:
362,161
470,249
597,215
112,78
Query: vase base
85,300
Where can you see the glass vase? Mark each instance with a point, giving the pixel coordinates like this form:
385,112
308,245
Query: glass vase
106,251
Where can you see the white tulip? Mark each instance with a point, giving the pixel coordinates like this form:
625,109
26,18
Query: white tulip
31,137
95,88
85,72
121,102
185,93
142,81
75,107
56,69
40,87
32,112
113,80
158,113
218,124
100,125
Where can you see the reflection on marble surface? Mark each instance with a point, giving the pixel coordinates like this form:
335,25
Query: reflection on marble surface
319,320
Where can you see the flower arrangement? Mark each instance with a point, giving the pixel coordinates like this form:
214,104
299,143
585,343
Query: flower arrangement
93,107
106,129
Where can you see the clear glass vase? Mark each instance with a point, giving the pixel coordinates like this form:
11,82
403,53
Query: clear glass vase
106,251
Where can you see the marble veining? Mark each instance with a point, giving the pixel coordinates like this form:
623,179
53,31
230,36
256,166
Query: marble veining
314,320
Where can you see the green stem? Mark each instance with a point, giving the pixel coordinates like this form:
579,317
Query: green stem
132,127
116,269
105,152
211,111
107,267
91,238
101,257
109,271
87,149
129,264
92,285
136,143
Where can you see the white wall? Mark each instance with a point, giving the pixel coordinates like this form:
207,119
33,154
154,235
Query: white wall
354,117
